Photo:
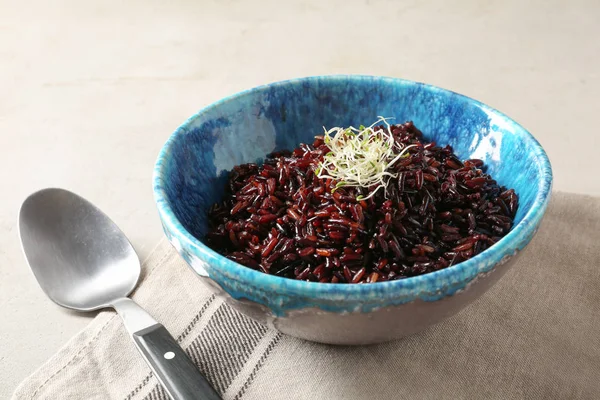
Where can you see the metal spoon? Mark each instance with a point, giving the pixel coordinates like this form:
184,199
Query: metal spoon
83,261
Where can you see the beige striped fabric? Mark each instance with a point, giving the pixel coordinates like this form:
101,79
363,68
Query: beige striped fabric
535,335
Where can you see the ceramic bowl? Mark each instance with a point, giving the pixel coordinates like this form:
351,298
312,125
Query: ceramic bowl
192,167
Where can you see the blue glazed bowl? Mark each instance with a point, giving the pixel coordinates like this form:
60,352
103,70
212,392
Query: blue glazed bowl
192,167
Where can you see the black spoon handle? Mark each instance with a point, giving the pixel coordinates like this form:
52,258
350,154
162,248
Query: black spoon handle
175,371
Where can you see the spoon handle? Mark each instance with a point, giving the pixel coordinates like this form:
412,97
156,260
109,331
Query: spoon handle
175,371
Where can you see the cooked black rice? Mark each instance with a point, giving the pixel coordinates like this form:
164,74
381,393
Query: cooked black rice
281,219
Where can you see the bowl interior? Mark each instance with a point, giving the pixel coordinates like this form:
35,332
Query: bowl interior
247,126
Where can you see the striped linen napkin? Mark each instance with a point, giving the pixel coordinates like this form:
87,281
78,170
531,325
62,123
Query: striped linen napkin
532,336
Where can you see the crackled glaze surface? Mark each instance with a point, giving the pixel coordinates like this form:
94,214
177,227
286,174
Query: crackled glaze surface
191,170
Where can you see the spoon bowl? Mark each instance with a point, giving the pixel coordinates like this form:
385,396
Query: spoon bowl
81,259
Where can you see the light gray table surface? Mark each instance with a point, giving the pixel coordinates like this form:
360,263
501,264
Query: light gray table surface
90,90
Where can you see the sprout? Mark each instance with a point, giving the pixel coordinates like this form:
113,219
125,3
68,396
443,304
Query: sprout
361,157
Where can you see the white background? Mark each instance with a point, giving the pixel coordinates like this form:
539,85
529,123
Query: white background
90,90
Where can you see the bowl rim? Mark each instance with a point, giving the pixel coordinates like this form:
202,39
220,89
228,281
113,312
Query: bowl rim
426,286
